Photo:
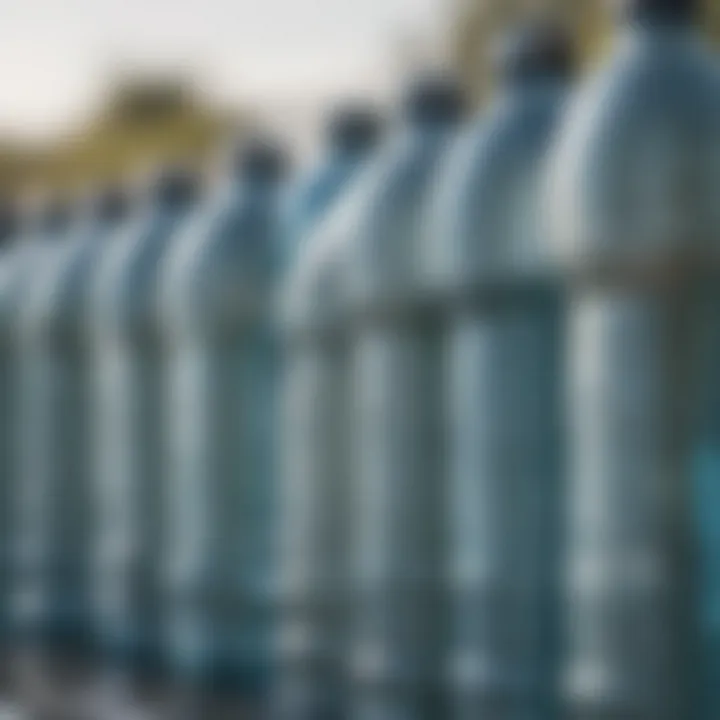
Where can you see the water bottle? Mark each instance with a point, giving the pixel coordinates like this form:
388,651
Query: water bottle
222,374
47,550
491,260
313,498
129,395
635,221
9,240
397,589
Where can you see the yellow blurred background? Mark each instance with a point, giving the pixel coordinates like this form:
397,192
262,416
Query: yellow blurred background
143,119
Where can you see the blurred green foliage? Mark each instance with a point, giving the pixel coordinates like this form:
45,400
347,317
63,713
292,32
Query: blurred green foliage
142,121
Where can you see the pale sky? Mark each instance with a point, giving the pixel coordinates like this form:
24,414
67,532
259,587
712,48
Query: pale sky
56,55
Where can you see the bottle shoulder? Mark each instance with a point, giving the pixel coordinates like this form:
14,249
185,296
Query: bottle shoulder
385,243
637,159
224,263
486,220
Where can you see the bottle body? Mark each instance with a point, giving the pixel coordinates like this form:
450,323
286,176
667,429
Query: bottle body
129,382
314,542
706,473
220,514
57,498
399,624
504,374
629,573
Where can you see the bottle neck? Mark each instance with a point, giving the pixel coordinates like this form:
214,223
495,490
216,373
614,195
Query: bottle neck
346,154
658,16
664,36
174,206
534,83
432,127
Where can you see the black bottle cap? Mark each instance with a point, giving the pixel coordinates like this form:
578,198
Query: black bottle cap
353,128
666,12
176,185
54,216
434,97
261,160
540,50
9,222
110,204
